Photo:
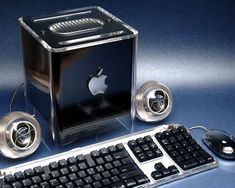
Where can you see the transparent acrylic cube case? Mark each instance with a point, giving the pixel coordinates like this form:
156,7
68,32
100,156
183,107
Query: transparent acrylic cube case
79,70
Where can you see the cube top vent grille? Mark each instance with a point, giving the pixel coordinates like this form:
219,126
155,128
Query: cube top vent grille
73,27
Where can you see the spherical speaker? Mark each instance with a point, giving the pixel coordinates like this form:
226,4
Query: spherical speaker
20,135
153,102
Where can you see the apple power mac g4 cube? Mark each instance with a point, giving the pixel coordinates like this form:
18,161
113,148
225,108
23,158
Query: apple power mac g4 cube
79,70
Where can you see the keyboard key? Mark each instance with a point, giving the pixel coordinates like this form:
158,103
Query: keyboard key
112,149
148,139
166,172
180,137
179,159
9,178
44,185
81,174
63,179
127,160
80,158
201,160
64,171
90,161
36,179
53,165
45,177
108,166
206,156
150,154
108,158
127,168
137,150
169,148
16,184
120,155
106,174
71,160
54,182
98,177
106,181
172,140
141,179
55,174
29,173
177,146
97,184
132,143
159,166
99,161
129,174
115,179
88,179
72,177
38,170
90,171
99,168
118,185
140,141
157,175
79,183
117,163
19,175
103,151
62,163
130,182
69,185
188,164
95,154
73,168
184,143
173,169
26,182
141,157
120,147
115,171
165,142
82,166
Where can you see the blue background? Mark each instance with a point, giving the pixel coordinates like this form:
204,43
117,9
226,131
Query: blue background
187,45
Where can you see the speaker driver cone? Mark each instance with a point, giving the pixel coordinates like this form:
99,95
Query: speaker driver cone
20,135
153,102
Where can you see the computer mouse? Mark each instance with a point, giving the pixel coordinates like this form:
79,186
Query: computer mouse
221,143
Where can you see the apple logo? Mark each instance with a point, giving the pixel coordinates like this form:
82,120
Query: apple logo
96,84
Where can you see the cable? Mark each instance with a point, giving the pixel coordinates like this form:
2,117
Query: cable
13,96
199,127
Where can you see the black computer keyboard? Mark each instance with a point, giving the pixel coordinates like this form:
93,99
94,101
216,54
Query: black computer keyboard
148,158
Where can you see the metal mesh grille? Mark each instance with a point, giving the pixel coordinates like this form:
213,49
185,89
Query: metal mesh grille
77,26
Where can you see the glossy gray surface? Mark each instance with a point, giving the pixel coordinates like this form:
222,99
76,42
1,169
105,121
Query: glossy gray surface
187,45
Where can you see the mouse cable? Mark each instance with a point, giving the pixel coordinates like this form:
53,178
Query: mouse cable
199,127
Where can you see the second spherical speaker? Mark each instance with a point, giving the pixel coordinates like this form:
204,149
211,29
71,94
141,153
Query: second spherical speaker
153,102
